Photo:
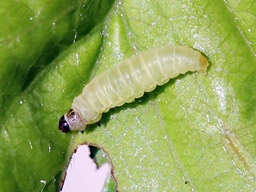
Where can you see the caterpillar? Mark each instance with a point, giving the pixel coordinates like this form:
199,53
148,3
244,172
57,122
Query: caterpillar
129,80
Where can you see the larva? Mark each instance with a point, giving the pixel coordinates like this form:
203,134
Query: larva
129,80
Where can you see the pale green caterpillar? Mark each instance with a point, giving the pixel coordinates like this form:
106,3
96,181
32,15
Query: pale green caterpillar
129,80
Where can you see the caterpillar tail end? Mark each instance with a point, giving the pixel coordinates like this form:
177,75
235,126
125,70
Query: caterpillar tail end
203,65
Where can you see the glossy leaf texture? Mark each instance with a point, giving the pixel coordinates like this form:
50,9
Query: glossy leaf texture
195,133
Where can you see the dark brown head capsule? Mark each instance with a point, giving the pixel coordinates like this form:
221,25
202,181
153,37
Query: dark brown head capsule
67,120
71,121
63,125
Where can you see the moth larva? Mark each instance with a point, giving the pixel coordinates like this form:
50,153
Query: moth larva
129,80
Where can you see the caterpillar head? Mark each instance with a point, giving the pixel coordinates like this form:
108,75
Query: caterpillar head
71,121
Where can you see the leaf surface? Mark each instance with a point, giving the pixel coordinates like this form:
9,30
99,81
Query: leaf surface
194,133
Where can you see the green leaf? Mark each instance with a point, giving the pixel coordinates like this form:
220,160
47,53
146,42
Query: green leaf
194,133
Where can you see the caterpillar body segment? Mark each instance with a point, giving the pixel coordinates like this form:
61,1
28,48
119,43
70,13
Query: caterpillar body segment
129,80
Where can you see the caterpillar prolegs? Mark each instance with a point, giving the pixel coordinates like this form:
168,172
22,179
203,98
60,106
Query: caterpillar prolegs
129,80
